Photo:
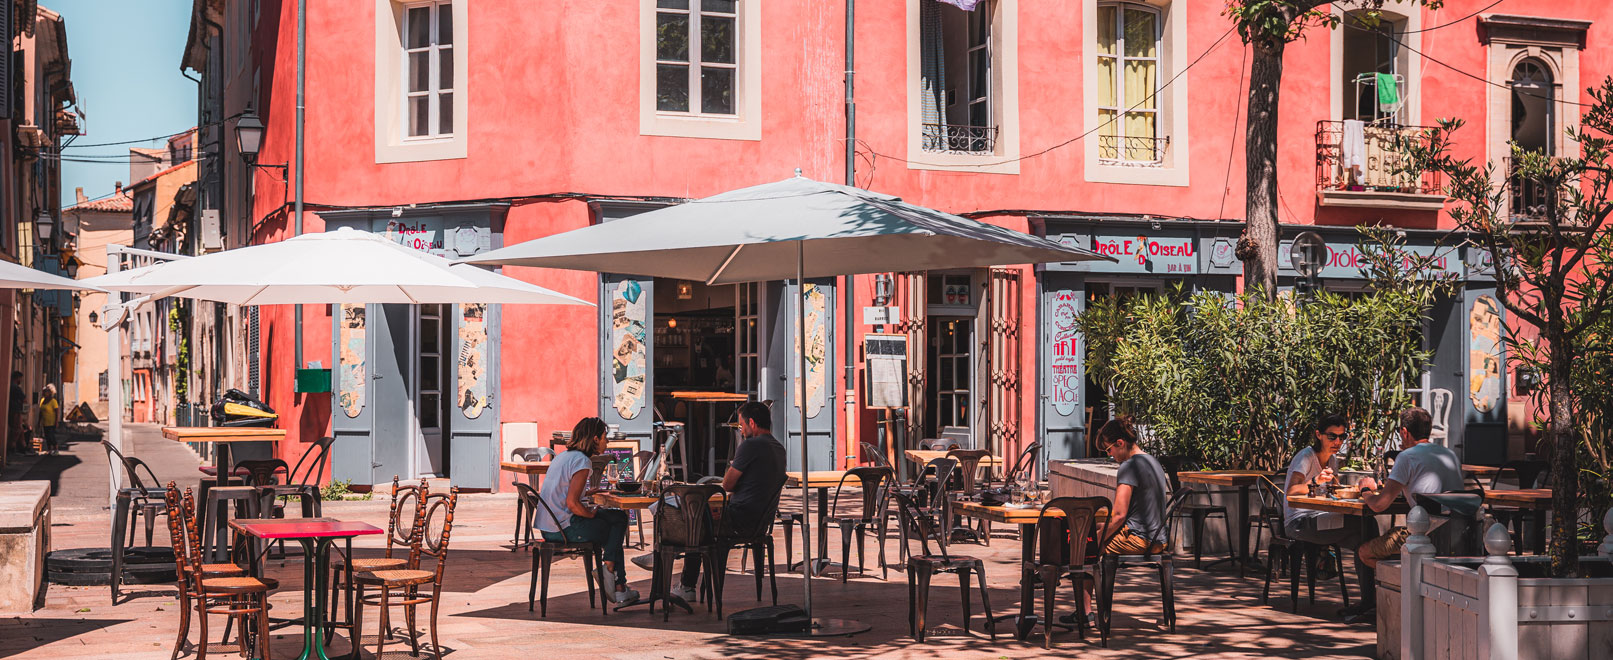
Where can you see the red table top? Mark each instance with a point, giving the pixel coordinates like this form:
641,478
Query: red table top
303,528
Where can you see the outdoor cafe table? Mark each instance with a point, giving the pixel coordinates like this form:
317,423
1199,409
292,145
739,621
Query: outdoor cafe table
524,467
821,481
222,437
315,535
1243,480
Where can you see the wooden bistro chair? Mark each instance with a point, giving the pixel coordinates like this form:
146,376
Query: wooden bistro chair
869,517
405,587
213,588
923,566
544,551
1112,563
1061,551
405,526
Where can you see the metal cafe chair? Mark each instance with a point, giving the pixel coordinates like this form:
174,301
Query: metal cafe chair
923,566
869,517
544,552
1061,551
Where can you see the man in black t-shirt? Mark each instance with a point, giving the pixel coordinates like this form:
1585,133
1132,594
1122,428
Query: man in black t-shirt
753,482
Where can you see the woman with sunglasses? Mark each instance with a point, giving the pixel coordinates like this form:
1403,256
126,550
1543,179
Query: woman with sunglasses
1317,464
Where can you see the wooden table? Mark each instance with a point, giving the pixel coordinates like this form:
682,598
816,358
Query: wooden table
1537,499
525,467
1480,471
315,535
1352,507
710,399
222,437
821,481
924,456
625,501
1243,480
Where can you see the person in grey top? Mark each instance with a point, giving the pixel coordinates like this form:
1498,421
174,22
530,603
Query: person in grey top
1136,525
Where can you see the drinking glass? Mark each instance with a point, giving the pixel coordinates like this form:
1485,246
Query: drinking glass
1023,483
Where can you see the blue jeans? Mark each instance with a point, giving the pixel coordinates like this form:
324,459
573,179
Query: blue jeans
608,529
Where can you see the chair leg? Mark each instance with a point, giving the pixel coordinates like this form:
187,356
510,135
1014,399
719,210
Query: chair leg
861,543
985,599
1344,587
757,568
1198,541
358,618
1314,555
408,615
1271,562
772,569
912,606
1167,589
520,510
884,568
184,622
1296,557
923,593
717,563
845,551
1106,600
789,546
1050,585
963,588
201,626
545,561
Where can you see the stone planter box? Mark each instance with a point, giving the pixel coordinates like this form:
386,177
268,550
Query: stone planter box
1096,478
1499,607
24,541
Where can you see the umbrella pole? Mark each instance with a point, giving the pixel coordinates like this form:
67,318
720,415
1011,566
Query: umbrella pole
806,499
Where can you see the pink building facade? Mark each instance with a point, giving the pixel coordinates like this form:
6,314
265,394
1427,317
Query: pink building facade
460,126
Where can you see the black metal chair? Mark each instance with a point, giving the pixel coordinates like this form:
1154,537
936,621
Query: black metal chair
924,566
138,500
302,482
1527,474
1061,551
684,528
930,494
756,543
1200,512
966,478
523,514
544,552
1112,563
1297,555
868,517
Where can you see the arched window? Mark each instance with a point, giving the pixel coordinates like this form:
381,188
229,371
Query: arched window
1533,106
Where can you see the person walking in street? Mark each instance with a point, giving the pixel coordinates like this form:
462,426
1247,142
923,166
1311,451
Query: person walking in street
50,412
563,488
754,480
16,439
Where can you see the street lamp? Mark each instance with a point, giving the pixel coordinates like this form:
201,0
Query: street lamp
249,137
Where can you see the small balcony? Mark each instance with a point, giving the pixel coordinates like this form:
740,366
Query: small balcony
1128,151
954,139
1528,200
1372,178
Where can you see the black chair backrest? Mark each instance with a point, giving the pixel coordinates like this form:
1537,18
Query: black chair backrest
942,469
1026,461
1528,474
1275,500
1063,540
873,455
872,480
529,497
939,444
968,467
311,465
1172,508
131,467
532,454
599,462
918,521
1174,464
260,472
683,515
1463,516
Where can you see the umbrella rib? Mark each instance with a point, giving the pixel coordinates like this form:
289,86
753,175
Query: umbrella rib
405,293
718,273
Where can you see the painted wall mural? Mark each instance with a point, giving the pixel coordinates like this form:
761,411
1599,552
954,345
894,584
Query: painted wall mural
1064,349
628,313
817,343
472,382
351,372
1484,354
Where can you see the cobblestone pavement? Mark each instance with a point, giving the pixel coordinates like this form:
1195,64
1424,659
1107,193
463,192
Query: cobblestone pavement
484,612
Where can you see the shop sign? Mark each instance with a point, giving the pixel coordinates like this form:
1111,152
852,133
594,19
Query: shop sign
1157,253
1347,261
432,237
1064,352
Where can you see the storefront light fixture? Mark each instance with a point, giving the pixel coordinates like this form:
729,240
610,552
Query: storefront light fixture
685,290
249,140
45,225
672,322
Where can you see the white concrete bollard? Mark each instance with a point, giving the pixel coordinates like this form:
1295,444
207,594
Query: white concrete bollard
1606,549
1418,548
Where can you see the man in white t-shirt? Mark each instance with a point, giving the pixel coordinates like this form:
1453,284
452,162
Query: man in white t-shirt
1422,468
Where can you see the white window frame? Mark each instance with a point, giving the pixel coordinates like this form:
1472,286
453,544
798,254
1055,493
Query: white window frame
1124,105
1171,101
697,15
392,144
1410,62
1002,41
433,51
745,123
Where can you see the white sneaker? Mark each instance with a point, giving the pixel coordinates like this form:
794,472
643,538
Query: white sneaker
607,581
687,594
624,596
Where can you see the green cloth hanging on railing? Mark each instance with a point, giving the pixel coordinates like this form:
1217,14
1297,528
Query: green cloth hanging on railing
1388,90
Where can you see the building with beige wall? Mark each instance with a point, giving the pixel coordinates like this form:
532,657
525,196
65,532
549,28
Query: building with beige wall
101,222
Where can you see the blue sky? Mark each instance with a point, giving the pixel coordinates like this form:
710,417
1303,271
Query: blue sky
126,73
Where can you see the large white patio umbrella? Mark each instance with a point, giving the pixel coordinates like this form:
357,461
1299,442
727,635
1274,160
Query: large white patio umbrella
18,276
345,266
797,228
341,266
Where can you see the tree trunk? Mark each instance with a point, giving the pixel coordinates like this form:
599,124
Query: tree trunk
1564,549
1258,247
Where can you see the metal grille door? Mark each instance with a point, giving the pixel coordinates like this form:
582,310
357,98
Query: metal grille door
1001,401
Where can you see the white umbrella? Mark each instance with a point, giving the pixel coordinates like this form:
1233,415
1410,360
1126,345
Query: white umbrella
18,276
341,266
797,228
345,266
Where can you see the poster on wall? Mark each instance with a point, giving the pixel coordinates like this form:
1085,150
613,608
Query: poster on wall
816,345
1064,349
1484,354
886,358
628,322
472,377
350,387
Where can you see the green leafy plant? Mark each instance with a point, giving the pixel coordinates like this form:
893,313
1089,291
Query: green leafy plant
1238,381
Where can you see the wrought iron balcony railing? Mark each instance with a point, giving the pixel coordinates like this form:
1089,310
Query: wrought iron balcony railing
1378,168
952,139
1527,199
1127,150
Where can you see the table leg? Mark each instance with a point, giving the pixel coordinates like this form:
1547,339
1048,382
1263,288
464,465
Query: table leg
1243,531
711,438
315,573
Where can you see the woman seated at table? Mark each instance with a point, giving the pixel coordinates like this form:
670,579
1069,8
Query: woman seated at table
563,488
1136,524
1316,464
